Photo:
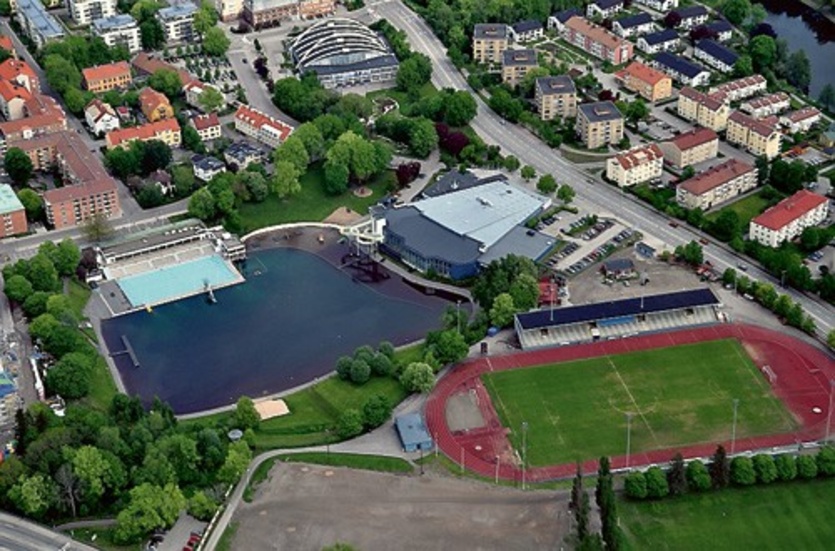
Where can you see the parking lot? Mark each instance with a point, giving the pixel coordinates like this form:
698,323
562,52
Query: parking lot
305,507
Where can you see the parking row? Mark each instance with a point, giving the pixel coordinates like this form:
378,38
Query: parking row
599,253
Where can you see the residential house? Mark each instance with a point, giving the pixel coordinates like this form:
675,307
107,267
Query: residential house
599,124
84,12
516,64
716,55
146,65
710,111
208,126
555,97
242,154
20,73
766,105
639,164
716,185
194,89
788,218
690,148
255,124
683,71
166,131
691,16
13,98
101,117
207,167
801,120
489,41
101,78
118,30
260,14
162,180
229,10
604,9
557,21
597,41
741,88
661,41
634,25
827,138
12,213
650,84
757,137
721,29
177,22
662,6
155,105
618,268
526,31
38,24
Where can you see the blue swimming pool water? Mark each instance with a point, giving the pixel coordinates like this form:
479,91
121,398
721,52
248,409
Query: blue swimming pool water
166,284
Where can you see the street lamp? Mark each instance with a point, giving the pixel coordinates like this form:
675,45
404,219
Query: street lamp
829,412
497,470
458,315
524,450
628,436
421,459
783,279
733,429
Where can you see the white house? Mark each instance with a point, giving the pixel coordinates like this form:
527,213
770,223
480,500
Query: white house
659,5
801,120
604,8
525,31
207,167
788,218
193,89
661,41
692,16
716,55
634,25
557,21
681,70
101,117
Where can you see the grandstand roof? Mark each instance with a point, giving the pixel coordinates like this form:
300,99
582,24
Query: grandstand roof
626,307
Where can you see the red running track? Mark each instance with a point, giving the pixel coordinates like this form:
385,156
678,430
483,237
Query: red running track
802,383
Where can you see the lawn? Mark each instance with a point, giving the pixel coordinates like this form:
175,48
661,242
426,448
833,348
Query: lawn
403,100
352,460
746,209
312,204
678,395
782,516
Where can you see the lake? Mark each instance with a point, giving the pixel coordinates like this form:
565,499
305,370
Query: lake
288,324
804,28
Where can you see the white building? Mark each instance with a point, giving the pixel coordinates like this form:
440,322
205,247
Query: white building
119,30
716,55
766,105
101,117
659,5
741,88
682,70
634,25
526,31
229,10
194,89
261,127
788,218
692,16
801,120
640,164
84,12
661,41
557,21
207,126
37,23
178,22
604,8
207,167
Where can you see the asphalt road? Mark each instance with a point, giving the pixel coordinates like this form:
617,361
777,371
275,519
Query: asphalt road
21,535
517,141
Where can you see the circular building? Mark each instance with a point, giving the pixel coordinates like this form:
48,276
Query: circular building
343,52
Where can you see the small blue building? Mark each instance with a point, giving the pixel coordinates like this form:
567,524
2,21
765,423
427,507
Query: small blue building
413,433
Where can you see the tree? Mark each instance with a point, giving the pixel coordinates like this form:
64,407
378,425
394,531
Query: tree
503,310
156,155
192,140
182,177
736,11
18,165
720,468
166,81
337,175
413,73
150,507
566,193
246,416
447,346
765,468
202,205
152,35
61,74
460,108
5,8
657,486
201,506
744,66
742,471
511,163
830,339
827,97
210,99
122,162
672,20
66,257
422,137
636,111
499,276
293,152
635,486
698,477
691,253
727,225
825,460
763,51
376,411
314,143
418,377
215,42
360,372
528,172
33,495
285,180
42,274
807,467
350,424
33,204
237,460
677,476
18,289
71,376
799,70
546,184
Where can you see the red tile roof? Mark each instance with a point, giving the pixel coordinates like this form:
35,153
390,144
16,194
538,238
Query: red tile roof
12,68
694,138
802,114
150,100
716,176
639,156
789,209
43,113
106,72
594,32
10,89
148,65
7,44
714,103
753,80
204,122
256,118
644,73
144,132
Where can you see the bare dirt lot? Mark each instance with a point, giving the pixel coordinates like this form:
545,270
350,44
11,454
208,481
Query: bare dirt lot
306,507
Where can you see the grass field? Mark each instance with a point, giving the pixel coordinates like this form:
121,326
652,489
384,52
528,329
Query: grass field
746,208
679,395
778,517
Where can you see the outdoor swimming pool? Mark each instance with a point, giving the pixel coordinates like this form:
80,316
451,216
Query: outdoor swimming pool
288,324
172,282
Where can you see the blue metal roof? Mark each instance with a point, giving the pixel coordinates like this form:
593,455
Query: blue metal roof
634,20
607,310
679,64
412,430
660,37
717,51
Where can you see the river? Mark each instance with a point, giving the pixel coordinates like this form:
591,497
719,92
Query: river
804,28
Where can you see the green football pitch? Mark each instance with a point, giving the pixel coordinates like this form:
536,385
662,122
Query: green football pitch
796,515
675,397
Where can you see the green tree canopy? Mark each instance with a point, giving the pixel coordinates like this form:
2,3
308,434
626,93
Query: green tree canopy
418,377
18,165
215,42
285,180
210,99
150,507
294,152
166,81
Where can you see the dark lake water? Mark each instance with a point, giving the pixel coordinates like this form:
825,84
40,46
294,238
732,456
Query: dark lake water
804,28
278,330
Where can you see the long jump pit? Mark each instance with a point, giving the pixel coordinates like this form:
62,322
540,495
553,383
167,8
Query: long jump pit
795,375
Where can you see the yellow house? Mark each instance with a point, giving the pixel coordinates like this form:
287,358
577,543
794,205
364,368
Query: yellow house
154,105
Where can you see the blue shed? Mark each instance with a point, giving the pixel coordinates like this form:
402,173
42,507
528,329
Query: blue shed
413,433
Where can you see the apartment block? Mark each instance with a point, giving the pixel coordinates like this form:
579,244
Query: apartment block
42,115
38,24
166,131
741,88
13,98
681,69
489,42
708,111
555,97
84,12
101,78
690,148
716,55
650,84
597,41
12,213
516,64
101,117
757,137
640,164
118,30
716,185
261,127
177,22
20,73
599,124
788,218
